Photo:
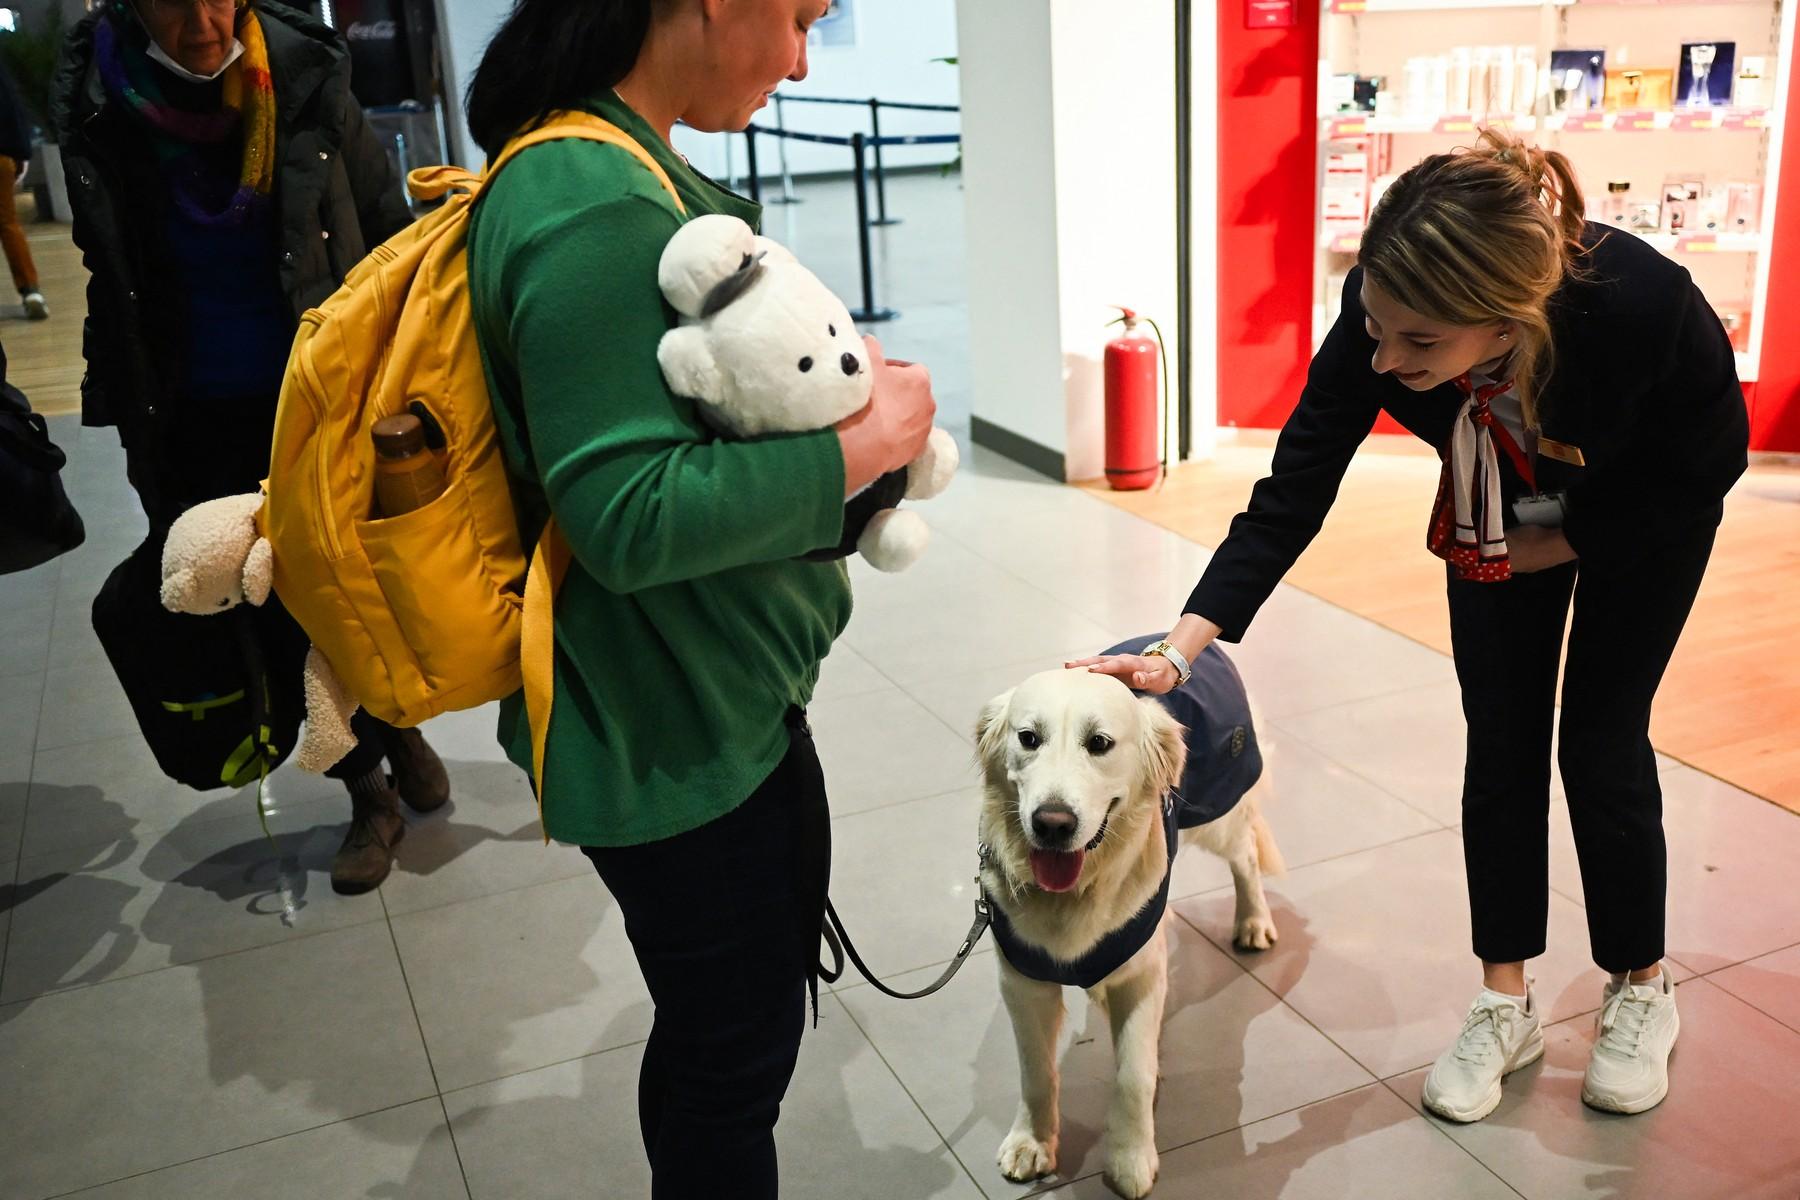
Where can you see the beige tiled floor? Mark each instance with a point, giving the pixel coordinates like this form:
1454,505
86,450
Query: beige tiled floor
187,1011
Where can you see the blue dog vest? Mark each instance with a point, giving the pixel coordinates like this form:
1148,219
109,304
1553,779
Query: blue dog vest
1223,764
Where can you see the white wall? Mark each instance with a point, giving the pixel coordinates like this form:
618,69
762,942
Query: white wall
1203,243
892,60
1069,173
465,27
896,41
1009,188
1115,193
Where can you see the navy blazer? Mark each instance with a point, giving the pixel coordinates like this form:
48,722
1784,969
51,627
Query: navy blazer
1644,384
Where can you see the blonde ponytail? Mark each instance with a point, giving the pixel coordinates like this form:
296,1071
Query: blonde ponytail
1549,176
1482,236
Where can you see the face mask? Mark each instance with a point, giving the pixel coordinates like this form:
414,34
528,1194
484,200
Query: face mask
156,53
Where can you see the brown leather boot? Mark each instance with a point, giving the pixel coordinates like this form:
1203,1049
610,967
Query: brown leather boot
418,771
376,826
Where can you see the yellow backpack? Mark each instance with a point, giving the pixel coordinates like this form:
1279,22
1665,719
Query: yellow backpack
430,611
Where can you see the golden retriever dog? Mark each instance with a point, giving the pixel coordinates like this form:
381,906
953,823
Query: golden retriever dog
1083,785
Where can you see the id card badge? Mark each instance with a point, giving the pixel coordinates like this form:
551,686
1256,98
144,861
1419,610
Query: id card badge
1545,510
1562,452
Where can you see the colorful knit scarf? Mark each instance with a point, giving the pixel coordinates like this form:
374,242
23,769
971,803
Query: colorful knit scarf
248,105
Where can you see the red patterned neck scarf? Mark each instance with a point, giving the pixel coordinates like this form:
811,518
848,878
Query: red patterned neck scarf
1467,528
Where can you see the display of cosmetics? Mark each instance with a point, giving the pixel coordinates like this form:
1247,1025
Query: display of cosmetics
1495,81
1479,80
1684,205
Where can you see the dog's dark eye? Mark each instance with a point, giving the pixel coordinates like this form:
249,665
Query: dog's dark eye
1029,739
806,364
1099,744
831,329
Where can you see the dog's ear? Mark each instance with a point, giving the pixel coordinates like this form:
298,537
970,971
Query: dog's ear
1162,747
991,730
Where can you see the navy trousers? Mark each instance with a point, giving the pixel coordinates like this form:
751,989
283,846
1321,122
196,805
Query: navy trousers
1507,639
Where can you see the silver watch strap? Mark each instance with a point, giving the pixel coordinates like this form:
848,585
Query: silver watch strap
1183,669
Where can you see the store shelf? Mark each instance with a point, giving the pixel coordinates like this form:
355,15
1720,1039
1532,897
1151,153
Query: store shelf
1668,3
1671,244
1430,68
1322,318
1674,244
1716,120
1351,8
1349,125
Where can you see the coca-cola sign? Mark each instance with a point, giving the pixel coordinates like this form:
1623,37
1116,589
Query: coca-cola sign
382,60
372,31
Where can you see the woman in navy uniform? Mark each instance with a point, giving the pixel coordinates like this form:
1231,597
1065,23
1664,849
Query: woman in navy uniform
1585,401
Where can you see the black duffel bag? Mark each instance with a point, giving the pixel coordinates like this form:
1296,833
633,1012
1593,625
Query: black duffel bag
218,697
37,522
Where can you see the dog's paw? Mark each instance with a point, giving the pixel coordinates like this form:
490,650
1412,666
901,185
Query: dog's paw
1023,1158
1131,1170
1255,933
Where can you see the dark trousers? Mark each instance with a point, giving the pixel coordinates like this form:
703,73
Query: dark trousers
371,747
1507,638
725,923
221,448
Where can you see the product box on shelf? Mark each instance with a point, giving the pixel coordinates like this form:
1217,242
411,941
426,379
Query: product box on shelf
1577,80
1752,80
1478,81
1705,74
1643,216
1681,204
1353,93
1344,201
1630,89
1743,207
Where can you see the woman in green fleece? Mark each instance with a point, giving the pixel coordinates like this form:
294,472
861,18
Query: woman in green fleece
688,630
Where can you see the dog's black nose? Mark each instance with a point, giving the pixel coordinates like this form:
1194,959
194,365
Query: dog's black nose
850,364
1053,824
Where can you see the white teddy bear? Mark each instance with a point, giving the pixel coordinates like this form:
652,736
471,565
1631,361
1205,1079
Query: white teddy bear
215,559
765,347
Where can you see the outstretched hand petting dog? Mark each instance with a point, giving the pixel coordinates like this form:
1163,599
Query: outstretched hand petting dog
1152,672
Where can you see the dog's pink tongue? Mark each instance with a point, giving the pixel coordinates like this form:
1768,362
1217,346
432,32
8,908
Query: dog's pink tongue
1056,870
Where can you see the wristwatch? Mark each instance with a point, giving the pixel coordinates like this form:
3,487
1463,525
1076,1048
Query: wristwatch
1163,649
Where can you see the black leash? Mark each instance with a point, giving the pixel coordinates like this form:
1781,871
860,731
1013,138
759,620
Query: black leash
838,939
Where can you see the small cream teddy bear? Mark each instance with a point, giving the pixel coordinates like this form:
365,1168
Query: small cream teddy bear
215,559
765,347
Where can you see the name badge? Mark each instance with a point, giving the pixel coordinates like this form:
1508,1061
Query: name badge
1562,452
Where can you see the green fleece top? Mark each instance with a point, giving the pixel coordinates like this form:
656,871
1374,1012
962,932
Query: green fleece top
686,626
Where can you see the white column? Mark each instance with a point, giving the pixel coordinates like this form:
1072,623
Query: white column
1069,172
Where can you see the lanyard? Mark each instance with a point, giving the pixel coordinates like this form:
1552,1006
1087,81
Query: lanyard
1482,413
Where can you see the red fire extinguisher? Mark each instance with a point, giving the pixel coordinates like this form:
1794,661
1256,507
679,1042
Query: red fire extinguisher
1133,416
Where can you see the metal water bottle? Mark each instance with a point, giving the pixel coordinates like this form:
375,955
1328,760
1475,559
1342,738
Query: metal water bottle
407,474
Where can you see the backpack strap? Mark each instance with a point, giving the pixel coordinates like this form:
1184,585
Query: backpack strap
565,124
550,561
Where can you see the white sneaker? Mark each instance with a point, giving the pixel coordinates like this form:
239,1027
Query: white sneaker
1629,1069
36,307
1498,1037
